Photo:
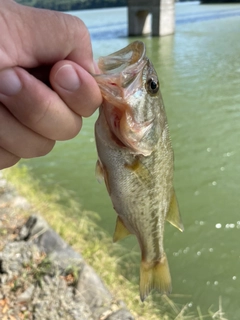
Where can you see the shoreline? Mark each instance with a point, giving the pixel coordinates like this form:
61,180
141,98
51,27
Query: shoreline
30,247
22,199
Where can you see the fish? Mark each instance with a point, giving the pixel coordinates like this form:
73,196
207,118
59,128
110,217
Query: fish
135,159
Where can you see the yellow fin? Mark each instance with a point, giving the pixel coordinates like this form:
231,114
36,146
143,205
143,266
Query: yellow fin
139,170
173,215
155,275
121,231
135,165
99,172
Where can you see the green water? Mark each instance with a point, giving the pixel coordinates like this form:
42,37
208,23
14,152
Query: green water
199,72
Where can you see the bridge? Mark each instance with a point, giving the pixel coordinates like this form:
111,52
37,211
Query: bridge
157,17
153,16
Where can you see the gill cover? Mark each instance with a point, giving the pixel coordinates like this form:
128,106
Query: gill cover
129,86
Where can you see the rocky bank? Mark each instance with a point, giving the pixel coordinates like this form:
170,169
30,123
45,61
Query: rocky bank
41,276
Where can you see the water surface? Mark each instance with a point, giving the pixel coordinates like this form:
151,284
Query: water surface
199,72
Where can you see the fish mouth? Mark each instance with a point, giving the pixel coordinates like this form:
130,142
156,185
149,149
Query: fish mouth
121,76
121,71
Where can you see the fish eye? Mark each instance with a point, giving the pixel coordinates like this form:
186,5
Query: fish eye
152,86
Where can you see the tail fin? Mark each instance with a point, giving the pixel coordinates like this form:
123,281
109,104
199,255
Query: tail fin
155,275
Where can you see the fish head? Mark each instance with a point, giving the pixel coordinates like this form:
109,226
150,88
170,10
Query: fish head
132,101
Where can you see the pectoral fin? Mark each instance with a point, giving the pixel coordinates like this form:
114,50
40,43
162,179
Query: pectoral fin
173,215
139,170
121,231
99,172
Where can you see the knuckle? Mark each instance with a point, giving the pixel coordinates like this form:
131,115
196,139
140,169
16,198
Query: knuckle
72,129
76,29
44,148
8,160
41,149
37,119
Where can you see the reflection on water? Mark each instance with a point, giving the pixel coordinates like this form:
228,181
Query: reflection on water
199,72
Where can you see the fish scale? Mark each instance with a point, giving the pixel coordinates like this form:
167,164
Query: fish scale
136,158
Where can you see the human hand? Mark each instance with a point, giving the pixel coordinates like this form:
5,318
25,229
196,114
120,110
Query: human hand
45,85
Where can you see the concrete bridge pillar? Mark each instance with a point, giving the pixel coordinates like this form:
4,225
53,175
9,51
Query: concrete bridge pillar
156,17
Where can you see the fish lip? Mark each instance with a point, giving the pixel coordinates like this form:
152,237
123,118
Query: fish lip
120,69
118,61
122,76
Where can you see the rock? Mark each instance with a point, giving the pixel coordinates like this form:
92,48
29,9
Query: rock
37,230
93,291
14,256
55,301
40,270
121,314
21,203
34,227
26,295
58,250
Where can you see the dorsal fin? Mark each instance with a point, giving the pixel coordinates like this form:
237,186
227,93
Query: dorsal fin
121,231
173,215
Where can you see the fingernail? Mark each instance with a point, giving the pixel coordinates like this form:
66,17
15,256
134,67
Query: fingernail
67,78
10,84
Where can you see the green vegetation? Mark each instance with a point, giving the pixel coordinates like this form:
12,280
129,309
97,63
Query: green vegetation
79,228
66,5
37,268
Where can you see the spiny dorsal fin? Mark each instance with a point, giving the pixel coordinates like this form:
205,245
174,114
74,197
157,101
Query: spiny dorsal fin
155,275
173,215
121,231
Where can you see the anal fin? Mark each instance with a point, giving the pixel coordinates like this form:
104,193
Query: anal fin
121,231
173,215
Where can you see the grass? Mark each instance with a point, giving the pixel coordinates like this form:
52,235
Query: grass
79,228
38,268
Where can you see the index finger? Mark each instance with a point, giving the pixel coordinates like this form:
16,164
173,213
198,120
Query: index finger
43,37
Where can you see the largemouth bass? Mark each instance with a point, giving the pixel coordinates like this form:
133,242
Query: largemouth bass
136,158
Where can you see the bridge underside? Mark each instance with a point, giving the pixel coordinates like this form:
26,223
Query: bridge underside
158,20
